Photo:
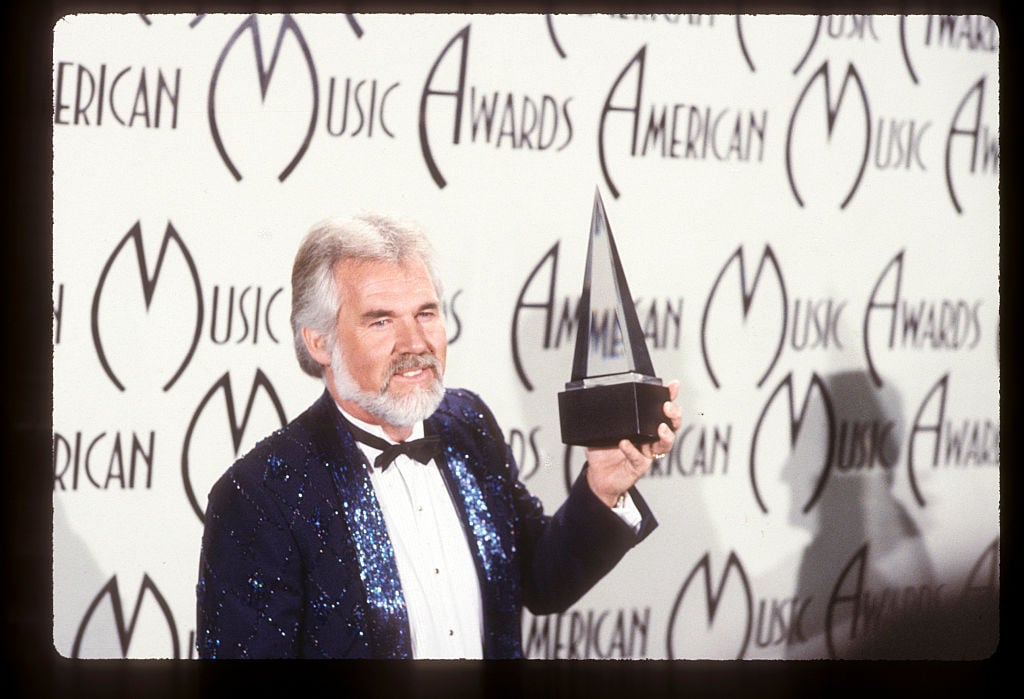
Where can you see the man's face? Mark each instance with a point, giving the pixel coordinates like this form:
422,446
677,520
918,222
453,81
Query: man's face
391,343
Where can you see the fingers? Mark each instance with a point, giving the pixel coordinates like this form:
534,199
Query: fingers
666,438
675,415
672,411
637,458
641,457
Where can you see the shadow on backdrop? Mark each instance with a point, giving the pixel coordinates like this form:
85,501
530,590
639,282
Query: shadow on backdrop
874,591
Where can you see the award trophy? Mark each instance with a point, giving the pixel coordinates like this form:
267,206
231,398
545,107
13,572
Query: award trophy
613,393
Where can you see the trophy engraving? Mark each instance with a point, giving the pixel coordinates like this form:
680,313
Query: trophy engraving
613,393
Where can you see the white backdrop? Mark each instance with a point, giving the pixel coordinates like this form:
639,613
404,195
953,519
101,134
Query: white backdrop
806,209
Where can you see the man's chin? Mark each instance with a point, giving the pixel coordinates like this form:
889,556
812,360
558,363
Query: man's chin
408,408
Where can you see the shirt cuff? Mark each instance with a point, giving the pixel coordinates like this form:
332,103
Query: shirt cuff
628,512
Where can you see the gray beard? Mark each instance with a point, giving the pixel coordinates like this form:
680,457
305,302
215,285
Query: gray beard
398,410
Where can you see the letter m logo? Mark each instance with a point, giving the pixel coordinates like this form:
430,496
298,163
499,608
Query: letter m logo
125,632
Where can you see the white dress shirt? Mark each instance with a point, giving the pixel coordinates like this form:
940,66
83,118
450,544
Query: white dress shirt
435,563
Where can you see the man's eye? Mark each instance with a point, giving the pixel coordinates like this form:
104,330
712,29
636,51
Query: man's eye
379,323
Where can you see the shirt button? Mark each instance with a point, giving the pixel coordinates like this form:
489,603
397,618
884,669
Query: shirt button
437,571
451,632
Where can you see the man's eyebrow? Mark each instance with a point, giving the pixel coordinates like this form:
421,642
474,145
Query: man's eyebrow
375,313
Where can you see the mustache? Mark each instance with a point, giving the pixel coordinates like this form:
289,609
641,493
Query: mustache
408,362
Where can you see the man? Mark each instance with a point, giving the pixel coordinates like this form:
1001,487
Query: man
315,548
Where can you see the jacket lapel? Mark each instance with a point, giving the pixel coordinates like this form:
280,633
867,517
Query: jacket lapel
484,515
387,622
463,461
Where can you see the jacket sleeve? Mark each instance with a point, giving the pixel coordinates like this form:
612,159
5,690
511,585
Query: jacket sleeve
249,593
565,555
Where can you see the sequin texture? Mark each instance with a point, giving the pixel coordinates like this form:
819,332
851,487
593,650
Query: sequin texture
296,560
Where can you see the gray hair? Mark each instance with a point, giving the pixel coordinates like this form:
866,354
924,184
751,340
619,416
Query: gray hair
371,237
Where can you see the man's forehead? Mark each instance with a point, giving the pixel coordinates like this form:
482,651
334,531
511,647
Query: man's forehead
374,278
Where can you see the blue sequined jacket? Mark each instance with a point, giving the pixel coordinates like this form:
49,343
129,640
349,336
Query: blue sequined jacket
296,560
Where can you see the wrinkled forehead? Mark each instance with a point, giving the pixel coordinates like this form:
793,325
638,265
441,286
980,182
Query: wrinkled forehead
362,282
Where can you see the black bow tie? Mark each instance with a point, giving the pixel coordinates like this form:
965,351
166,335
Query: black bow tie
423,449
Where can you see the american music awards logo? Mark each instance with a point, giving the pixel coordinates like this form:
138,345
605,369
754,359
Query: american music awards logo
199,474
289,29
664,130
121,325
898,323
837,131
543,320
94,633
718,323
490,116
287,98
112,297
719,606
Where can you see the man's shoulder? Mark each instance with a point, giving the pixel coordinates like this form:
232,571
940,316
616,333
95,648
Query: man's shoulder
463,415
462,405
283,454
454,397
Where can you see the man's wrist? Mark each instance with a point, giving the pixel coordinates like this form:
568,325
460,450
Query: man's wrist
626,510
609,499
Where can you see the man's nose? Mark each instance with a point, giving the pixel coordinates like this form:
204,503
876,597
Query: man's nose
410,337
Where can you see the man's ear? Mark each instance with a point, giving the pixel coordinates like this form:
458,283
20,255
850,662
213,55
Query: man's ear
316,345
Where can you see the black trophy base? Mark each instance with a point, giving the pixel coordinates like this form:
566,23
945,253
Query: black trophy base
600,416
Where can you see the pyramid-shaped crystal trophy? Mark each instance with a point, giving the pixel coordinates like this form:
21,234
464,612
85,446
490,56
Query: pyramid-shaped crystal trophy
613,393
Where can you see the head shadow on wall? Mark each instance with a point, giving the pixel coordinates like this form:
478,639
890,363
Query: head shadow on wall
867,563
